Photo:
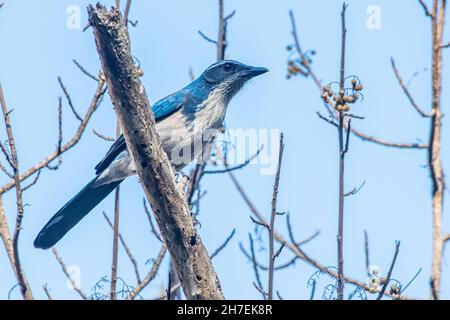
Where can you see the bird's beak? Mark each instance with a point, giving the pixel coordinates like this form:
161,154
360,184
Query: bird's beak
251,72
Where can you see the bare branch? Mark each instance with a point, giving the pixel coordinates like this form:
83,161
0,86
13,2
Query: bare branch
391,268
406,91
425,9
206,37
69,99
366,251
90,75
68,275
223,245
67,146
272,254
150,220
101,136
151,275
47,292
127,250
197,275
355,190
294,248
24,286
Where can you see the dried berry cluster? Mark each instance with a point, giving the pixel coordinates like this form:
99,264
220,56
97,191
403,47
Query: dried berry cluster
341,101
299,66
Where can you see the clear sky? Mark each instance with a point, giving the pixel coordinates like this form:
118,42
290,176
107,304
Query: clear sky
394,204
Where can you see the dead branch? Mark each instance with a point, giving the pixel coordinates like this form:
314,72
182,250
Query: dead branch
435,140
151,275
128,95
295,249
407,93
391,268
127,250
68,275
223,245
95,102
272,254
47,292
310,72
21,279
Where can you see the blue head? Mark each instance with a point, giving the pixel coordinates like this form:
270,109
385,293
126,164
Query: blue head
227,76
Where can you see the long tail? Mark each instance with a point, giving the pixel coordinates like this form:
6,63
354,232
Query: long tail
72,212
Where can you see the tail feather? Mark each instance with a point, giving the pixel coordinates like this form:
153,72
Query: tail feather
72,212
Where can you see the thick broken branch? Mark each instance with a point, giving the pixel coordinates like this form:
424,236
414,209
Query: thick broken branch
197,275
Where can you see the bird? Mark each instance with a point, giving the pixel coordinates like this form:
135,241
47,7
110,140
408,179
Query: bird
184,120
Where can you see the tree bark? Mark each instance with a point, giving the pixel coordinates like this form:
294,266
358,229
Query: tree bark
197,275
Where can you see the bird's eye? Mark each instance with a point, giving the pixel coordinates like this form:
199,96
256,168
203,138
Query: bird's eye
227,67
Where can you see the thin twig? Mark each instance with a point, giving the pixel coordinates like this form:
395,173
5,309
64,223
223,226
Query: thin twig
407,93
223,245
425,9
100,91
126,12
342,152
69,99
272,254
294,248
24,287
317,82
366,251
237,167
151,275
391,268
68,275
47,292
102,136
90,75
115,255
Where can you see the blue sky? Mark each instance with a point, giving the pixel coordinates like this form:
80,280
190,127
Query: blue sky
393,205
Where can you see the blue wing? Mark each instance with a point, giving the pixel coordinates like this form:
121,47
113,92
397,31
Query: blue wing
161,109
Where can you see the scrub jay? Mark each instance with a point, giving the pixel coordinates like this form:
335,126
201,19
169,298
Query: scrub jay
184,120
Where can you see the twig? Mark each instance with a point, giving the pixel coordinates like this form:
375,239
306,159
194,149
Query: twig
391,268
100,91
127,250
101,136
24,287
90,75
126,12
366,251
69,99
260,290
255,264
60,129
198,277
294,248
223,245
237,167
355,190
150,220
47,292
151,275
425,9
272,254
32,183
115,255
328,120
342,152
206,37
406,91
68,275
317,82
